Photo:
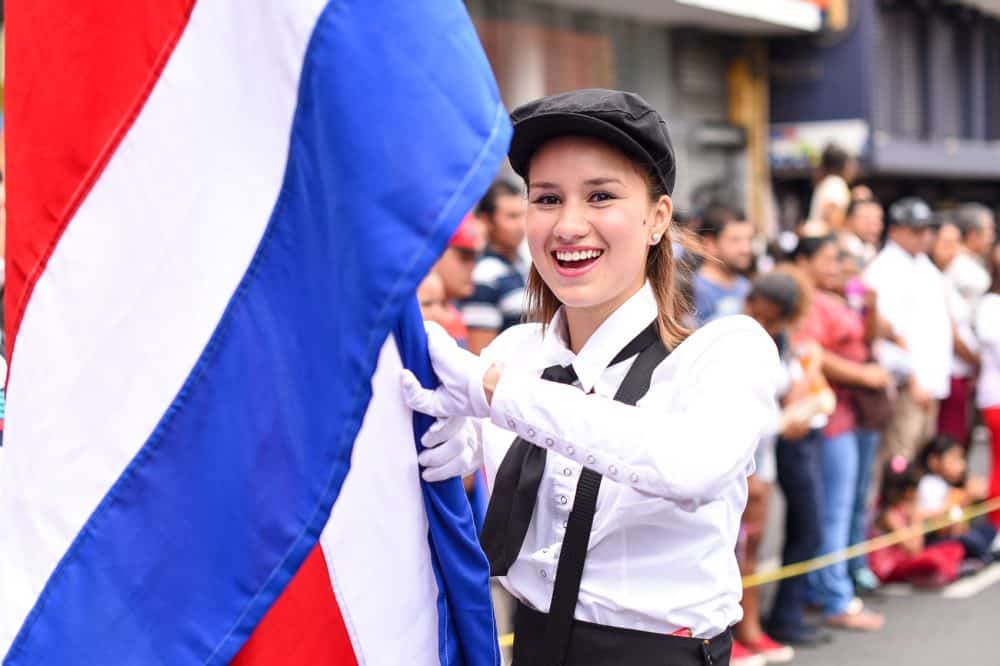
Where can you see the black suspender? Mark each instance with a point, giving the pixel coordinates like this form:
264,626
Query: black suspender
573,553
515,488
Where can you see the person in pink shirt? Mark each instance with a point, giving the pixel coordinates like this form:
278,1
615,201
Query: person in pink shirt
840,330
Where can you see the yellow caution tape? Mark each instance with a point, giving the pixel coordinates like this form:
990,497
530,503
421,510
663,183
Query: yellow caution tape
863,548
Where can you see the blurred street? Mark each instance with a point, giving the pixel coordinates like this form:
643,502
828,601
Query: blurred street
956,625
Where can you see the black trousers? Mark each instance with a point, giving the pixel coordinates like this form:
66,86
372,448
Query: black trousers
800,479
599,645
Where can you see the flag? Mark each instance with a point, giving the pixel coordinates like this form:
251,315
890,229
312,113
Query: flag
219,211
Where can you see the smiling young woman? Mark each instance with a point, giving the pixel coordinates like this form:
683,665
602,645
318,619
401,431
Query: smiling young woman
606,385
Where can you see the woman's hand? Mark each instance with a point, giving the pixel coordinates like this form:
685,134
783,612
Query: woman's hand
461,373
875,376
451,448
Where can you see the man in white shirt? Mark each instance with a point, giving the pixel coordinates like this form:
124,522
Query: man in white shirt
968,270
954,416
912,297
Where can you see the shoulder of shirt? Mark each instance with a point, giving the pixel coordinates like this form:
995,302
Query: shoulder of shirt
926,264
989,301
489,269
740,333
964,268
883,261
736,343
514,341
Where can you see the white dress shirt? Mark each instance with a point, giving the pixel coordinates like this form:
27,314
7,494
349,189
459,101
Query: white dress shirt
988,331
913,298
969,276
661,556
961,314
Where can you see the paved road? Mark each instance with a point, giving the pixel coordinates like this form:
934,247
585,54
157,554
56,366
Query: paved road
925,629
955,626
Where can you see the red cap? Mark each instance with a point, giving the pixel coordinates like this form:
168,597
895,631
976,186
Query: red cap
467,236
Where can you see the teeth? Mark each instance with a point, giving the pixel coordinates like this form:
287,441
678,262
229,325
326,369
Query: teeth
578,255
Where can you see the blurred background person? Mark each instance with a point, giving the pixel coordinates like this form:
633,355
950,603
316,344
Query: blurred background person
432,301
720,285
777,302
498,300
841,331
455,269
912,299
911,561
806,406
872,410
955,411
988,389
945,488
862,233
832,195
969,271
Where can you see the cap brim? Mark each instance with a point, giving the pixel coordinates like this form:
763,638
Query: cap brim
531,133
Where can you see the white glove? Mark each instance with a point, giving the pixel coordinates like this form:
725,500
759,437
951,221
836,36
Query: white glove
460,373
451,449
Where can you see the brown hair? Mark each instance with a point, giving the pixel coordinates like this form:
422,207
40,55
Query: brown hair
787,287
661,272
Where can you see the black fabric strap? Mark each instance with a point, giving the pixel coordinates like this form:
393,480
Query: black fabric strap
515,489
515,492
573,553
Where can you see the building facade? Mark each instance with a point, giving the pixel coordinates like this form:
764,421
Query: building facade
909,86
701,64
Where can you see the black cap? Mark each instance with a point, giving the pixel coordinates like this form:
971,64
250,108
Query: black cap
623,119
911,212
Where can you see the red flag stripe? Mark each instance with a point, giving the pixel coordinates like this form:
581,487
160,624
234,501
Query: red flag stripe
61,134
304,626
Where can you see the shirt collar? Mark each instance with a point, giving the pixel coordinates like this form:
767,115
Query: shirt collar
625,323
894,247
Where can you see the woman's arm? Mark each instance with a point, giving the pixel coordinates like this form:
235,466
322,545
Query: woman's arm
687,453
843,371
962,350
872,320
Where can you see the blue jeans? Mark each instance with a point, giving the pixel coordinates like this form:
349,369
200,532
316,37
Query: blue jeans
800,479
868,443
831,588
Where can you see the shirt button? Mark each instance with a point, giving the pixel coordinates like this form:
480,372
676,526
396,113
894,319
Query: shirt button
548,441
511,423
562,499
567,471
612,470
591,459
570,450
543,573
531,432
634,477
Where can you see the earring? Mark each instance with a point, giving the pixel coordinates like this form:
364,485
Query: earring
655,238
